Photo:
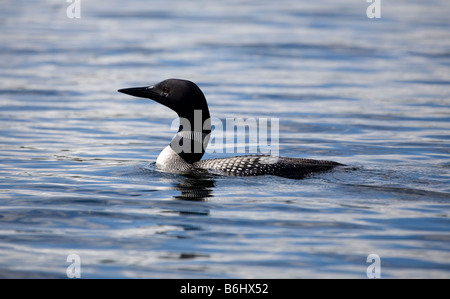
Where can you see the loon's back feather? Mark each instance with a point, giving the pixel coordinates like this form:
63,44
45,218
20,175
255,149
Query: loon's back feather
253,165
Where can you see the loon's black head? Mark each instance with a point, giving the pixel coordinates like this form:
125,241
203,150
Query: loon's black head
188,101
182,96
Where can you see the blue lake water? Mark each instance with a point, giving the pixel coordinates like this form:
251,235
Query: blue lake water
77,173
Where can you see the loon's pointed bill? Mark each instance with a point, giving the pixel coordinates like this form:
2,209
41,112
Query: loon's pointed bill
188,101
147,92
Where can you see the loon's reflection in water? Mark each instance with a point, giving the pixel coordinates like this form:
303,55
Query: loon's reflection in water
197,187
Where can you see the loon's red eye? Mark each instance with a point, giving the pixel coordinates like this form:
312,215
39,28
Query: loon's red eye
166,89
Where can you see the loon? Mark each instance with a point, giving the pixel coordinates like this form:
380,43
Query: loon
188,101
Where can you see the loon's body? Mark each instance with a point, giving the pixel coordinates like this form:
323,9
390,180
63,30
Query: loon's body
185,151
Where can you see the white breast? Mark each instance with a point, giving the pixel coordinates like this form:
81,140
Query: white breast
169,160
